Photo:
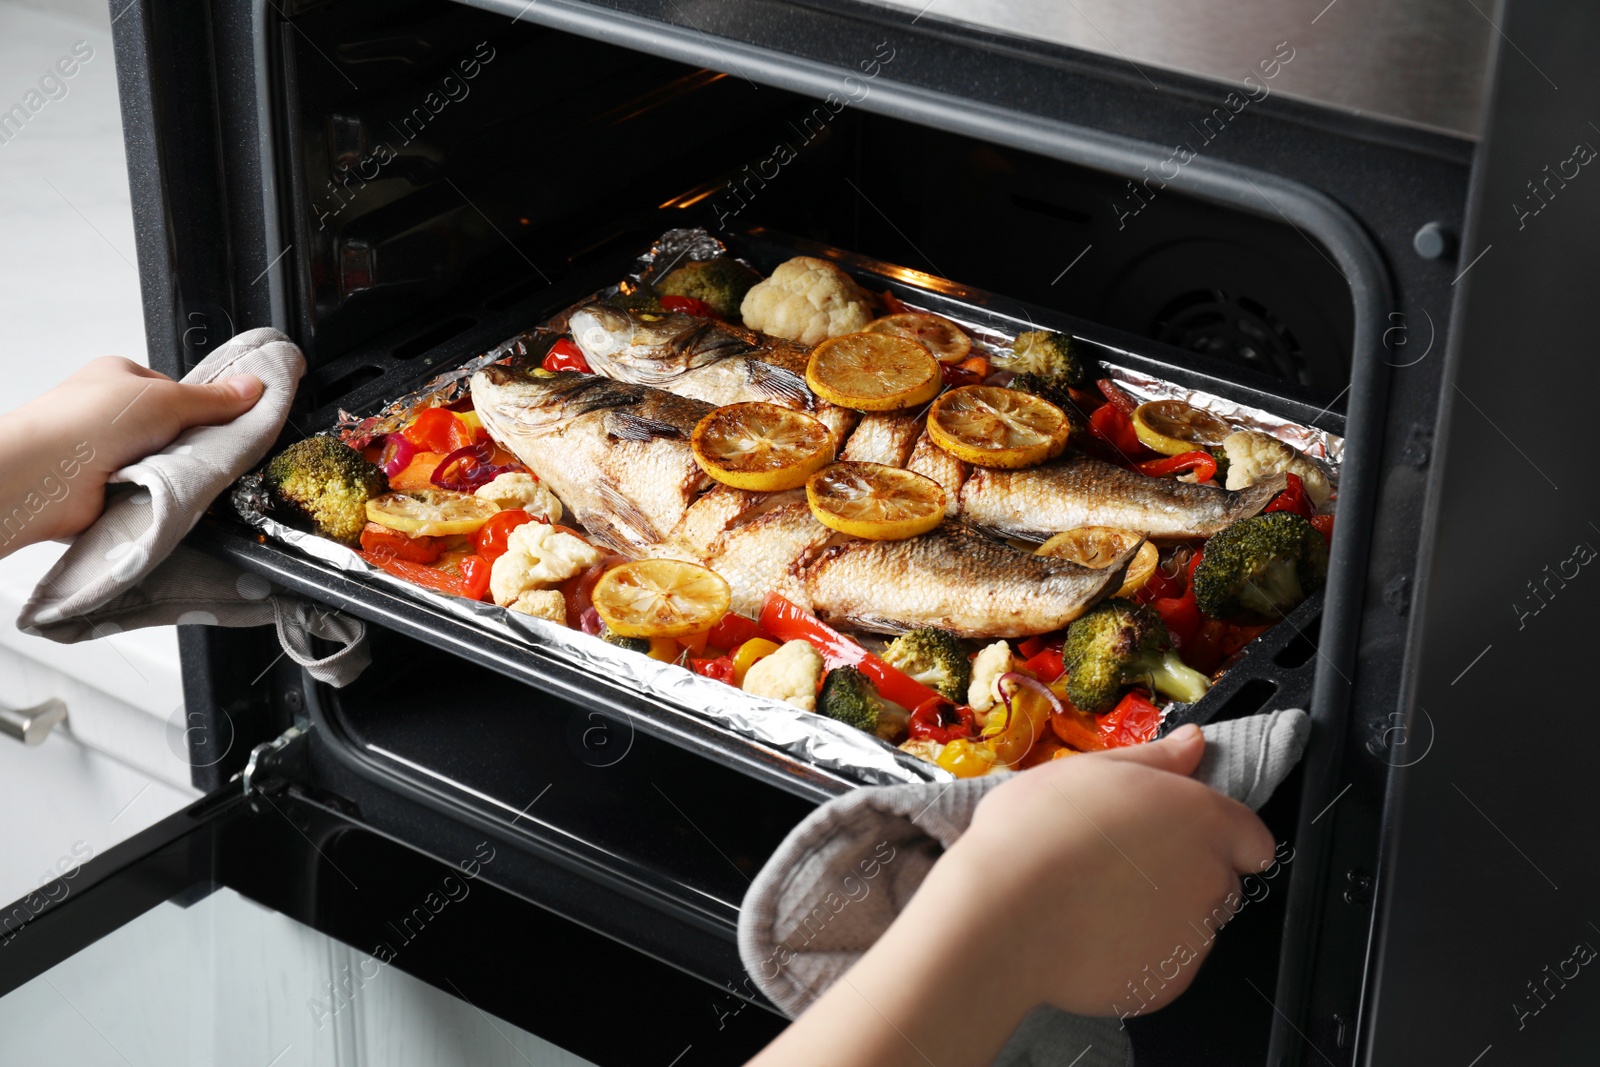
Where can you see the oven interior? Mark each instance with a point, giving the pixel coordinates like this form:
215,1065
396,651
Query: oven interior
448,177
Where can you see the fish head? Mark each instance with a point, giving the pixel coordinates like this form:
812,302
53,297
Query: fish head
636,346
512,399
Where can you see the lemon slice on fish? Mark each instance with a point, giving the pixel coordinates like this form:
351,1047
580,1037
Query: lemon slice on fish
947,341
1101,546
1172,427
661,598
992,427
430,512
876,502
761,447
873,372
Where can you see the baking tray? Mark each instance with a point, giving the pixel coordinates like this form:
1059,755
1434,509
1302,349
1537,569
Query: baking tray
844,757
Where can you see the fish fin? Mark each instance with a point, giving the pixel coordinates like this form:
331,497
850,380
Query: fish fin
776,384
1252,498
630,522
625,427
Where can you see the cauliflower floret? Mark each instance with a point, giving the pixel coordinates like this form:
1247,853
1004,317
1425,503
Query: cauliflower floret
984,691
1253,455
520,490
538,556
806,300
923,748
790,674
542,603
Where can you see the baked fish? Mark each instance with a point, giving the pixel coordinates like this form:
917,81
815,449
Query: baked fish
956,578
703,359
1037,502
616,453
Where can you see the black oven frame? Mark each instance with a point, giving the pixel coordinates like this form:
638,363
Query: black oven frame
206,157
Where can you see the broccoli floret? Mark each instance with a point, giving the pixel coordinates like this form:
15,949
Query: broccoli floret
1039,387
933,657
1119,643
1220,454
849,696
632,644
720,282
637,300
1265,564
326,482
1052,356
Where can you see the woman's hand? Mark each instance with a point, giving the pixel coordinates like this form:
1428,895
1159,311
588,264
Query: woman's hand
1073,878
57,450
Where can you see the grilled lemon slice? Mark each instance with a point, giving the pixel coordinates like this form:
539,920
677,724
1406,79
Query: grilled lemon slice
992,427
1172,427
660,598
873,372
430,512
876,502
761,446
947,341
1099,546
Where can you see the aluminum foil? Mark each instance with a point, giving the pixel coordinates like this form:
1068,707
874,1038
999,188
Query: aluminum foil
805,736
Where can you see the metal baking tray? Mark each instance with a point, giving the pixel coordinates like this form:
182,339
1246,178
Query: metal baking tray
804,752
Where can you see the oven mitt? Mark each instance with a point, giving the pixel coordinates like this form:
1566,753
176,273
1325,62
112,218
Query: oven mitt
128,570
802,924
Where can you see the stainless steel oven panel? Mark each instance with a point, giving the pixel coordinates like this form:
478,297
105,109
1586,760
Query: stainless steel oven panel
1424,62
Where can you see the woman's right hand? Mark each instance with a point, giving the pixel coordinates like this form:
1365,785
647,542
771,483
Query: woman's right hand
1102,875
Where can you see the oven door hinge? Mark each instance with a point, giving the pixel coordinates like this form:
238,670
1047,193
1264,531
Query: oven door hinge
277,761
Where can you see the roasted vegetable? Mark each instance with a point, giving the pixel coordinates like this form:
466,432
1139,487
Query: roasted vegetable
326,482
637,300
806,300
1041,387
1265,564
1120,643
933,657
720,282
1052,356
632,644
849,696
1254,457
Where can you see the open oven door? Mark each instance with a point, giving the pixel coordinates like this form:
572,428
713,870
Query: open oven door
264,925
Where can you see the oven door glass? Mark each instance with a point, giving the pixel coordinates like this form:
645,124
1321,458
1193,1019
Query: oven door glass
275,931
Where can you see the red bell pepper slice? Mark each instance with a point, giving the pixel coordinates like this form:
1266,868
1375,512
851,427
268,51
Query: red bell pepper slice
1237,637
1324,525
1203,463
1114,428
1077,729
892,304
429,577
1181,614
490,540
566,355
1293,498
689,305
438,430
475,571
733,630
1047,666
392,544
1132,722
941,720
786,621
1030,647
719,668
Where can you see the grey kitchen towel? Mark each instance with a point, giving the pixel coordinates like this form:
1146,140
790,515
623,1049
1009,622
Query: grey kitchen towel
127,569
858,859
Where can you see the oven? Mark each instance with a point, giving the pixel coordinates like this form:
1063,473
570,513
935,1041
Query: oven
401,186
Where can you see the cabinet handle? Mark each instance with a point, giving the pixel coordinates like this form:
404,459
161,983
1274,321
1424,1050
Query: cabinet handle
32,725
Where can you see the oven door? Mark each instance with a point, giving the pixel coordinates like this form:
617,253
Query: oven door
277,929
